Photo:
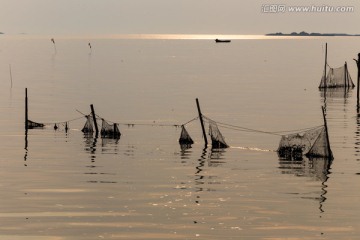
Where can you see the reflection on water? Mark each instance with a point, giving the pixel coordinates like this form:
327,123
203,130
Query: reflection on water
90,146
199,177
204,181
185,152
211,159
357,136
335,93
317,169
331,95
107,146
26,147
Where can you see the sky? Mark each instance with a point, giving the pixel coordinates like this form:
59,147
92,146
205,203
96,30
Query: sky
98,17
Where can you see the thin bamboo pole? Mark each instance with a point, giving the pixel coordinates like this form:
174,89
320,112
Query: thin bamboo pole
26,111
94,119
201,122
330,157
325,65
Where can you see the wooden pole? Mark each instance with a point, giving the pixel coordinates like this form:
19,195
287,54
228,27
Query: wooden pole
26,111
358,79
327,135
345,75
325,66
201,122
94,119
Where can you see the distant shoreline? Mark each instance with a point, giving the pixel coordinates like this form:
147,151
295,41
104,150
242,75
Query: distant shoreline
312,34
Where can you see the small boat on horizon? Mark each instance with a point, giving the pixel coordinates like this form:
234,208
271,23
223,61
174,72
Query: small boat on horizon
222,40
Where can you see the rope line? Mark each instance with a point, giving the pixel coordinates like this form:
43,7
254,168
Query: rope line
190,121
207,119
244,129
146,124
82,113
63,122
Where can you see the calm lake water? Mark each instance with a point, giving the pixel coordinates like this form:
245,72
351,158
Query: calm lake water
65,186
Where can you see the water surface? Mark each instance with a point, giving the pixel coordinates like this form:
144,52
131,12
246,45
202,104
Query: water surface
144,186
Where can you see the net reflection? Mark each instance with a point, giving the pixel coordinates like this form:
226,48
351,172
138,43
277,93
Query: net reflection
335,94
90,146
205,182
94,169
317,169
185,152
213,158
110,145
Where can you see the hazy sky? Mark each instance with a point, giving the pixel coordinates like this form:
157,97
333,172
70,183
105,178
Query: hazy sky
170,16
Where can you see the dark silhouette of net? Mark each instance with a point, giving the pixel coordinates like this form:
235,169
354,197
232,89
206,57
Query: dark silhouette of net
312,143
89,126
217,139
32,124
336,78
109,130
185,138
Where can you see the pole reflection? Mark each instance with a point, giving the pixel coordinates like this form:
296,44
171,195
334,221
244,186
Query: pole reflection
203,180
199,177
26,148
357,135
318,169
94,169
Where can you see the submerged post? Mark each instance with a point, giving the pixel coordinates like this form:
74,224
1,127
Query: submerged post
94,119
201,121
26,111
327,134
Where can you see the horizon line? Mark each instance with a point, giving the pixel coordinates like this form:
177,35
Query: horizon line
160,36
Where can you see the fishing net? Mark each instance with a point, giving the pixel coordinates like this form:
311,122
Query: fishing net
321,147
217,139
32,124
337,77
185,138
312,143
88,127
109,130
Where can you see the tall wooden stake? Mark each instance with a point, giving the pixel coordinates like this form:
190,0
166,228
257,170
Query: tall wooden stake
325,65
345,76
358,79
94,119
26,111
327,134
201,121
